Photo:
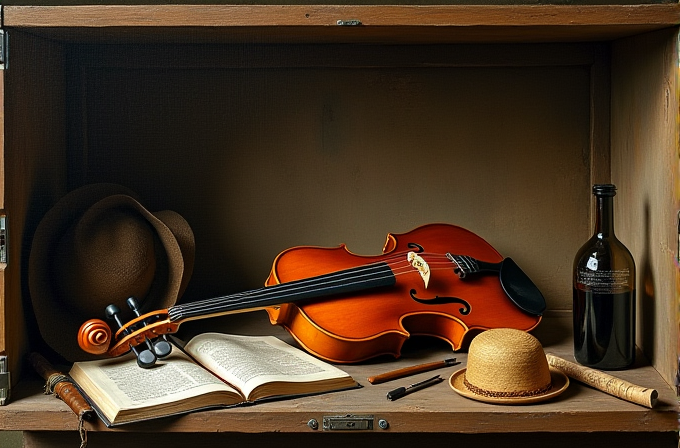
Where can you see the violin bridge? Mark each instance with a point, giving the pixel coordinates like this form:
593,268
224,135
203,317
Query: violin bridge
421,265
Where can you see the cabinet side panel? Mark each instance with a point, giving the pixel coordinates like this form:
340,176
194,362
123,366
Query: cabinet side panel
35,174
3,342
2,139
644,167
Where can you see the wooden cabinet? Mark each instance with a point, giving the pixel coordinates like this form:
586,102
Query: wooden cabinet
271,126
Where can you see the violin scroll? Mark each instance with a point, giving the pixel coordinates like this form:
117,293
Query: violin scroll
143,335
94,337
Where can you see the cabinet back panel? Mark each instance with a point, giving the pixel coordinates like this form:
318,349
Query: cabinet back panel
259,159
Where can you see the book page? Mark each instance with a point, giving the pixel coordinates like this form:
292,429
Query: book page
249,361
120,384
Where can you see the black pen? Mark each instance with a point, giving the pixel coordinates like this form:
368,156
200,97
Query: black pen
401,391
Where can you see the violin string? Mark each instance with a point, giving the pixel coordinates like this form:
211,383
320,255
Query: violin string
263,300
315,281
396,268
284,290
291,289
264,297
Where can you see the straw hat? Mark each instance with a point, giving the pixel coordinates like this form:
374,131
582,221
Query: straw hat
98,246
508,366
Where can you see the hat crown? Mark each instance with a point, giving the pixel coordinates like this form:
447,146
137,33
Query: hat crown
507,362
108,255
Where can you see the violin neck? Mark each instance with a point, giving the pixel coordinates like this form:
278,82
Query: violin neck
351,280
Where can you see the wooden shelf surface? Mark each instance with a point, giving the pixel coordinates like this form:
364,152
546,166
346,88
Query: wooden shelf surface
323,23
579,409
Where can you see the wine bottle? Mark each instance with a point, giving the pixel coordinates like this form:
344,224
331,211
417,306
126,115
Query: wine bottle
604,293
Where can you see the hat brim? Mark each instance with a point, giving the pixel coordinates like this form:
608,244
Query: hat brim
59,324
559,381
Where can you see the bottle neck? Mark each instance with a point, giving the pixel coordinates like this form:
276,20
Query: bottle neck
604,218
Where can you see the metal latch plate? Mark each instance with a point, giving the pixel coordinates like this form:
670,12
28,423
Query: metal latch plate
348,422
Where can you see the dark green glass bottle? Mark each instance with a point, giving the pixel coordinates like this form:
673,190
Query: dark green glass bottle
604,293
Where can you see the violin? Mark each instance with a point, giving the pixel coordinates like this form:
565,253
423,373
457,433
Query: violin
437,280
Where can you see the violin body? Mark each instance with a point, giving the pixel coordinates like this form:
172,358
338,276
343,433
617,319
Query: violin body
349,328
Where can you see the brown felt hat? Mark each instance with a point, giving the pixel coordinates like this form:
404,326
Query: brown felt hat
98,246
508,366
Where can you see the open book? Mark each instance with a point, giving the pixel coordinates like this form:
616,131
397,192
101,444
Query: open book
226,370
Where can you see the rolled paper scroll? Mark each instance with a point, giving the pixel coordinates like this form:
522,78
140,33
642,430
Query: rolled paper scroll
606,383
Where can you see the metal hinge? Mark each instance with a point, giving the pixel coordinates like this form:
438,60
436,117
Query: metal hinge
3,238
4,381
3,50
351,22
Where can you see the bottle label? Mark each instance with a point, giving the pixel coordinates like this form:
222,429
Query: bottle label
605,281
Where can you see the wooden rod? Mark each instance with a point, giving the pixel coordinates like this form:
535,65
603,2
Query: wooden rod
412,370
62,386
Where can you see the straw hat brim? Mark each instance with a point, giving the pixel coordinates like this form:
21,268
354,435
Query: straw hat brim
559,381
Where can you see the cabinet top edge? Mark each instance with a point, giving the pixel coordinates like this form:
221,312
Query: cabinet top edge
95,16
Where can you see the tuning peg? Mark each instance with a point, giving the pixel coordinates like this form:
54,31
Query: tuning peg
133,304
112,313
145,358
160,347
